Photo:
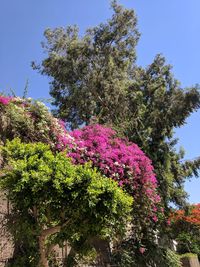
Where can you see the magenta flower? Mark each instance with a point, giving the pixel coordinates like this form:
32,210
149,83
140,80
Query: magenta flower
5,100
118,159
142,250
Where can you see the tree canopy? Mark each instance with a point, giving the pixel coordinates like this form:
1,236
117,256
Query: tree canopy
91,73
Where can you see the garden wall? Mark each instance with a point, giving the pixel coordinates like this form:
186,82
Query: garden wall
6,247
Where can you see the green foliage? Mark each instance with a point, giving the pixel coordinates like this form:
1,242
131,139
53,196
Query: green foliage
91,74
172,259
187,255
132,254
160,105
31,121
14,122
50,196
27,119
128,256
188,237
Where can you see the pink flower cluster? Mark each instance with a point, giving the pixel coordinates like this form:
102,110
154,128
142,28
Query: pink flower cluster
5,100
118,159
63,138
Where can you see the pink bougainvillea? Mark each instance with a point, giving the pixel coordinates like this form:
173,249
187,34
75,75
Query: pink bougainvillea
5,100
118,159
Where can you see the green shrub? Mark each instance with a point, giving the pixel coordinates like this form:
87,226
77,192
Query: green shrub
54,199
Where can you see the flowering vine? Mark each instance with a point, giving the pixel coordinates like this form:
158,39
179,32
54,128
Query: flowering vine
121,160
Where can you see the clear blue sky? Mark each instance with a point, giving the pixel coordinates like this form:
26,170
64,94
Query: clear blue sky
170,27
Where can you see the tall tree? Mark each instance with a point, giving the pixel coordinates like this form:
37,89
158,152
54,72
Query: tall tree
91,73
95,78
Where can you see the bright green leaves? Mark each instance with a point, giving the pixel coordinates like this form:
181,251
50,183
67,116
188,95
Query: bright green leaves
50,191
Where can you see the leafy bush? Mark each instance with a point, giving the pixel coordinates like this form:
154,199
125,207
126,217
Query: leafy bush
172,259
31,121
57,201
130,254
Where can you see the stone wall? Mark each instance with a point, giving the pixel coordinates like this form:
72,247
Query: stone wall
6,246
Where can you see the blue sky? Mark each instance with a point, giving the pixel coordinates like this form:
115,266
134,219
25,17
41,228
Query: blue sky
169,27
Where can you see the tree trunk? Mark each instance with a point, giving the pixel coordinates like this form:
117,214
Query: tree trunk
43,251
43,257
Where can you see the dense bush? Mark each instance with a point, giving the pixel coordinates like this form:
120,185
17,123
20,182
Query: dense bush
54,200
29,120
